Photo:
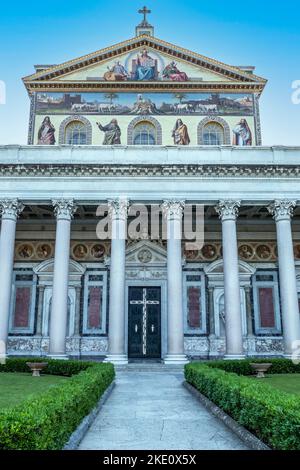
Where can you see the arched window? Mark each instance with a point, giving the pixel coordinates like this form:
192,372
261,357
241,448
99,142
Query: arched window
213,134
144,133
76,133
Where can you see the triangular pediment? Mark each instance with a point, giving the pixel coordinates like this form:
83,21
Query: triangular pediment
146,253
100,66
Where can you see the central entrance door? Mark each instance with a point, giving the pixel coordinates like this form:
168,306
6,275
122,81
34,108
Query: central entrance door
144,322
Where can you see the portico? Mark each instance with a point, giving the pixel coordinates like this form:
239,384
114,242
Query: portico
198,316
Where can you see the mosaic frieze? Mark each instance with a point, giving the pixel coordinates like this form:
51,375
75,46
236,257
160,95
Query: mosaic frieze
197,104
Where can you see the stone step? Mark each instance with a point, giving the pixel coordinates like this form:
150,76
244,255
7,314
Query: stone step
150,368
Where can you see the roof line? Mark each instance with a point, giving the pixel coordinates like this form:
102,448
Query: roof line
156,41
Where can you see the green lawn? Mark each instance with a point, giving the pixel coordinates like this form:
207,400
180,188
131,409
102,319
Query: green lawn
16,387
287,382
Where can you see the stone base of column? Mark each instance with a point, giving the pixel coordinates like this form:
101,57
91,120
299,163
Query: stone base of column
117,359
61,357
234,357
3,358
176,359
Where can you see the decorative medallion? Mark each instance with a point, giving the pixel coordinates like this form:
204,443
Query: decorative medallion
297,251
191,255
43,251
209,251
263,252
98,251
145,256
25,251
80,251
246,252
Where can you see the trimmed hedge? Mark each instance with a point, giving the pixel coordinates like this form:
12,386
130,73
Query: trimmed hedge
54,367
45,422
242,367
272,415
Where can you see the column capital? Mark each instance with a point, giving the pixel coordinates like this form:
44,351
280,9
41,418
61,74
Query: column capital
172,208
118,208
228,209
64,209
282,209
11,208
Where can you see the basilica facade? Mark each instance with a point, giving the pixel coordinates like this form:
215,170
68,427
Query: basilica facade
147,127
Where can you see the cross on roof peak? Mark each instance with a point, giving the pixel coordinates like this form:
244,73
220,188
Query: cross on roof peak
145,11
144,28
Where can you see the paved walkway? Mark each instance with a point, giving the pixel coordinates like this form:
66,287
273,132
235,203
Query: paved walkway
152,410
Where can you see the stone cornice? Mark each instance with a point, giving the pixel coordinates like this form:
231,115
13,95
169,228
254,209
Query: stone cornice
90,86
148,170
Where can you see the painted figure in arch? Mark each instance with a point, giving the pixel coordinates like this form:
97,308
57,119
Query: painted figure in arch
116,73
46,134
112,133
242,135
171,72
145,67
180,133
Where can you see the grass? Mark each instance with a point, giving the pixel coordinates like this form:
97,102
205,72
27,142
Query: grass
289,383
16,387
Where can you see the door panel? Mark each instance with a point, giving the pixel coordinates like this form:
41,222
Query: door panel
144,322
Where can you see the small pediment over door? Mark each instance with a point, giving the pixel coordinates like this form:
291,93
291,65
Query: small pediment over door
145,253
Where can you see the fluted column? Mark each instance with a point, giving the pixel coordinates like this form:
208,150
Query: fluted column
282,212
228,212
173,211
10,210
63,210
118,210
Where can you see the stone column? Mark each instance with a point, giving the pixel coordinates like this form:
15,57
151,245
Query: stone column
173,212
283,212
118,210
228,212
10,210
64,210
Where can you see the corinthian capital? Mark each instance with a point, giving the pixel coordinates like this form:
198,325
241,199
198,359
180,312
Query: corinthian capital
10,208
172,208
118,208
64,208
228,210
282,209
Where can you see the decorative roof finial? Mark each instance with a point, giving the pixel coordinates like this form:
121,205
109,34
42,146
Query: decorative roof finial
144,11
144,28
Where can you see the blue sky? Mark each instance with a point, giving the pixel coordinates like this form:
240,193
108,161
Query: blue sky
261,33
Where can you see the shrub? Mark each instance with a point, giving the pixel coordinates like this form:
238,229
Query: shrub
272,415
46,422
54,367
242,367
